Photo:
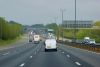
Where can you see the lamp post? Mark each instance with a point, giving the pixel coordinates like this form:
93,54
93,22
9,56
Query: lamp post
75,24
62,11
57,30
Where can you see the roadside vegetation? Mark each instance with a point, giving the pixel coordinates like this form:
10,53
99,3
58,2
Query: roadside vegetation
92,33
9,31
81,33
4,43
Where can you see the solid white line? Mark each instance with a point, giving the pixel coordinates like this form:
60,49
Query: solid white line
31,56
22,64
78,63
68,56
7,48
5,53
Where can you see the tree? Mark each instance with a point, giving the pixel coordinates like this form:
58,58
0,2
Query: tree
97,23
9,30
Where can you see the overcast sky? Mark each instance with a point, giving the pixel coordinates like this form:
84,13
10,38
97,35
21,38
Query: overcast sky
45,11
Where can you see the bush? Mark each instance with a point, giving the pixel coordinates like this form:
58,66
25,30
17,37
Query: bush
9,30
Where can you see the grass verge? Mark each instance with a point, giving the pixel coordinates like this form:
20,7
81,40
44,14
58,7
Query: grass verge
9,42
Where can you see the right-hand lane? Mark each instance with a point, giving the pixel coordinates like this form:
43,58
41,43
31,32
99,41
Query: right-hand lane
90,57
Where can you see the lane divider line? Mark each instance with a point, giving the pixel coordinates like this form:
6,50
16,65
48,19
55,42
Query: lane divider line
22,64
68,56
62,52
31,56
78,63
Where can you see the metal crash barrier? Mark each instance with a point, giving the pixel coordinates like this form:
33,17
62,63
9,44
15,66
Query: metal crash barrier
95,47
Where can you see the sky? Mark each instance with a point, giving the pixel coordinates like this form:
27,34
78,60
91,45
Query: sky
30,12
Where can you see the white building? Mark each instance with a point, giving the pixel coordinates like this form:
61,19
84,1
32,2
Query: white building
79,24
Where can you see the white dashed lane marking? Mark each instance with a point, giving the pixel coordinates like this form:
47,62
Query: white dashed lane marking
62,52
68,56
22,64
78,63
31,56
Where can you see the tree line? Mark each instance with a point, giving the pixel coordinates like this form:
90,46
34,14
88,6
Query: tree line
9,29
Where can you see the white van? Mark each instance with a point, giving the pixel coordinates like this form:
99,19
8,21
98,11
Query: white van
50,44
36,38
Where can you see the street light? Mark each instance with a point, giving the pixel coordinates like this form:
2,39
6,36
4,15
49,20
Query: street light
75,27
62,11
57,30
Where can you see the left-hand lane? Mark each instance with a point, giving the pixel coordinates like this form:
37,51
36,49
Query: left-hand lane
14,56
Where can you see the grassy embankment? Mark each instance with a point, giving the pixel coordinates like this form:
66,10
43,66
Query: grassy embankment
10,31
9,42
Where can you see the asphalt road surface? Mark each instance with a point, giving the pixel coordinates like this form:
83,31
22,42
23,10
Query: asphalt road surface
33,55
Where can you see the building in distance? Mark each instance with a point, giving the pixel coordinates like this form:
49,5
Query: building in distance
78,24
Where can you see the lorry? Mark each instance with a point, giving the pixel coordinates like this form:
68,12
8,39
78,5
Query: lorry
36,38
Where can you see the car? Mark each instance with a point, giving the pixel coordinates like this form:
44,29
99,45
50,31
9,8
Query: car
85,41
30,40
91,42
50,44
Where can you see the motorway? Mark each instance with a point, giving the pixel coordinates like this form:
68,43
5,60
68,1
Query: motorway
33,55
